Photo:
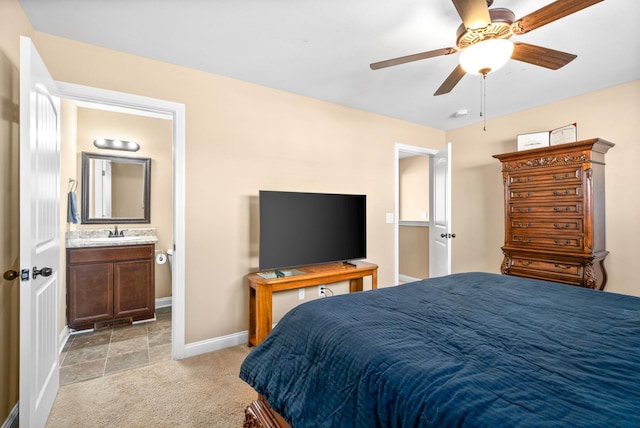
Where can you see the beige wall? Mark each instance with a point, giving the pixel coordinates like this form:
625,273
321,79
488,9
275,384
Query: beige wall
414,251
242,138
414,188
611,114
413,241
9,240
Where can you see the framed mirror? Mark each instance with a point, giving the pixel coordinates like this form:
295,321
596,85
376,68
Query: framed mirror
115,189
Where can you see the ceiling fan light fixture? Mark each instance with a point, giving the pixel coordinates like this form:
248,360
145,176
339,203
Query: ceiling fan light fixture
486,56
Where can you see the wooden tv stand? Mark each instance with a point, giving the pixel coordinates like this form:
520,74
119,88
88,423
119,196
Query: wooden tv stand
261,290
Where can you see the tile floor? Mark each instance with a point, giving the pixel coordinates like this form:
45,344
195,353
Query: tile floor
101,353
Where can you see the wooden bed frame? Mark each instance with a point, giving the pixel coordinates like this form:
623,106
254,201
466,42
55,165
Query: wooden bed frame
260,415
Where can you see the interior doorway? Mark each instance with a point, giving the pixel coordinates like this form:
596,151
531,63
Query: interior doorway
415,190
134,104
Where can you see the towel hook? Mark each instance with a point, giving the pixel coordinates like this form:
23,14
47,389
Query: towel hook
72,185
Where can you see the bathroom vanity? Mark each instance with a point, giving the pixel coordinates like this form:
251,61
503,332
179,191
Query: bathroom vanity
110,281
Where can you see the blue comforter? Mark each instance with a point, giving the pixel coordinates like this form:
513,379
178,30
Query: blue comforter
473,350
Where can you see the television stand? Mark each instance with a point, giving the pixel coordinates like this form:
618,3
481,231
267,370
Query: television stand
261,289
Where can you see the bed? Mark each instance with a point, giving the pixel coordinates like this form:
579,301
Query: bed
468,350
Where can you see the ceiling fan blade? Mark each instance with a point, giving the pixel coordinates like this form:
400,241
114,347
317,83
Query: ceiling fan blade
451,81
474,13
411,58
544,57
549,13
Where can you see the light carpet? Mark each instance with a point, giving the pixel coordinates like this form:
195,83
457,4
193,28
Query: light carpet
202,391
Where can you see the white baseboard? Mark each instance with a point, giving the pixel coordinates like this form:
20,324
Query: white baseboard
164,302
215,344
64,336
13,417
407,278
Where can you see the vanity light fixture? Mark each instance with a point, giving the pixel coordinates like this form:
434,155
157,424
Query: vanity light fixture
103,143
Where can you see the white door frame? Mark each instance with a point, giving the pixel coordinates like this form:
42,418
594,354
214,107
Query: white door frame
175,112
398,150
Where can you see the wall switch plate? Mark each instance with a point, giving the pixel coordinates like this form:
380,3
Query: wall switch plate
301,294
389,218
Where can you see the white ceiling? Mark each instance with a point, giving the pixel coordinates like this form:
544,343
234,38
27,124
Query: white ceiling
322,49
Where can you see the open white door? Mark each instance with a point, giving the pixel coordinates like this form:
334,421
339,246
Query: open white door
440,227
39,238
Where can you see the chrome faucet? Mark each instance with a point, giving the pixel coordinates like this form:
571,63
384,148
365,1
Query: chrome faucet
114,233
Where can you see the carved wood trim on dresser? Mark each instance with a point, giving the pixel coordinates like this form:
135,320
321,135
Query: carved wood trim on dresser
554,213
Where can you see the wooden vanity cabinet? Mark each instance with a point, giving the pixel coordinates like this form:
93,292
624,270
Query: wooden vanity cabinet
110,284
555,213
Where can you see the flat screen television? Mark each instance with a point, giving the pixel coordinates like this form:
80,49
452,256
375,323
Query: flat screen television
298,229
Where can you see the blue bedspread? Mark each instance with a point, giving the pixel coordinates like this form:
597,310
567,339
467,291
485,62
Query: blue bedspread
473,350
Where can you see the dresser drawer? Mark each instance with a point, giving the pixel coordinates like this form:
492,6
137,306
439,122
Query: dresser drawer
565,191
545,240
565,268
549,270
546,224
557,208
572,174
110,254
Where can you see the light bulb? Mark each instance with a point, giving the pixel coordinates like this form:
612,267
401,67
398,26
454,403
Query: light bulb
486,56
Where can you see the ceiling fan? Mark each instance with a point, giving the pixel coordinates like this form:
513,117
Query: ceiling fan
483,39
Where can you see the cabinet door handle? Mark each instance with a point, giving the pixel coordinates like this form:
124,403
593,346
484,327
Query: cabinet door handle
562,226
524,195
559,266
561,243
561,177
558,209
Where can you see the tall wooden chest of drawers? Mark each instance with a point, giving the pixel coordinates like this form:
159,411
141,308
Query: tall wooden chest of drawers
554,212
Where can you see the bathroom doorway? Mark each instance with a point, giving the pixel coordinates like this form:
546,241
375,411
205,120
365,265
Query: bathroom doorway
168,329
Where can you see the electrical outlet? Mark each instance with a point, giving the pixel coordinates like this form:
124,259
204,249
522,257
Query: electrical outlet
301,294
321,291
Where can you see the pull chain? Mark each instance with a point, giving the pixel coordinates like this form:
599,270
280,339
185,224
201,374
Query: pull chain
483,101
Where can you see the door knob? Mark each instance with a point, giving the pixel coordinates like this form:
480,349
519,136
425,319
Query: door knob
10,275
447,235
45,271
